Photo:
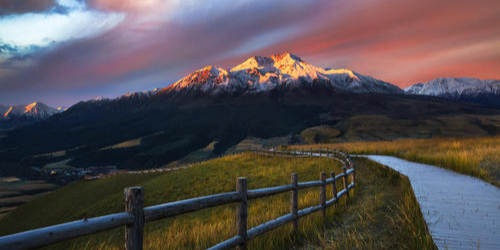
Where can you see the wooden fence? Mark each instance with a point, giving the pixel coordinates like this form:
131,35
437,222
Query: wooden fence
135,215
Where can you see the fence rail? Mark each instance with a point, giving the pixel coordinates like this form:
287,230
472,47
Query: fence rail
135,215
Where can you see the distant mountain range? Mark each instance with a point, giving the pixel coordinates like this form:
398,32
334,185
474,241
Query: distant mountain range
276,74
460,89
286,72
18,115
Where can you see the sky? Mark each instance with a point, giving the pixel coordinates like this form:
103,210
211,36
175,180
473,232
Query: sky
62,51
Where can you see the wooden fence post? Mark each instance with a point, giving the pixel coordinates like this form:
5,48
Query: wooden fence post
353,175
334,187
294,202
134,204
311,152
344,169
242,212
322,195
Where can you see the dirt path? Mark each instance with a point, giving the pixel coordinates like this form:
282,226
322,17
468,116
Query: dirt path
462,212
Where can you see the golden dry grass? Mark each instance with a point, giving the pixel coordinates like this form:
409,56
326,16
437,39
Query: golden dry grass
58,165
479,157
125,144
205,228
53,154
383,215
320,134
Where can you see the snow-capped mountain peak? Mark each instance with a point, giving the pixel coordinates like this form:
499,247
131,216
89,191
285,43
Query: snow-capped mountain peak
31,108
204,78
34,110
39,110
455,87
466,89
262,73
290,66
8,111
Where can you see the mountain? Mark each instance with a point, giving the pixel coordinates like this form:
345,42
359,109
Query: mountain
460,89
264,97
19,115
277,72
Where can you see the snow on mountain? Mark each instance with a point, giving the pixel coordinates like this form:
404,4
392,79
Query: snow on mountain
34,110
139,95
485,92
258,74
455,87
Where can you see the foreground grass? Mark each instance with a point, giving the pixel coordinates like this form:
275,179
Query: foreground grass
383,215
207,227
479,157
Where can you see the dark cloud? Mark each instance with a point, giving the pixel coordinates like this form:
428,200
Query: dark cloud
22,6
7,48
16,54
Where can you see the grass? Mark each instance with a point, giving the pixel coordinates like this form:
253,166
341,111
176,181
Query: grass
384,128
60,165
319,134
14,192
246,144
479,157
383,215
27,187
131,143
125,144
52,154
195,156
195,230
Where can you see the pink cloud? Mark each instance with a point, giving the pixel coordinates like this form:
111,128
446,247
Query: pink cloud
402,42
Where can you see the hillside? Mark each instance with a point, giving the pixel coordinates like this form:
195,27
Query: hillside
204,228
264,97
172,129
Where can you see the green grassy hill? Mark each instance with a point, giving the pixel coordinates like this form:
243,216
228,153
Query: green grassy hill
205,228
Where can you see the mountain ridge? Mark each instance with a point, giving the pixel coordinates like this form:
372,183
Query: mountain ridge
21,114
460,89
260,74
36,110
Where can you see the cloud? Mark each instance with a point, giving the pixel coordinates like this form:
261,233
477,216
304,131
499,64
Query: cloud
43,29
69,20
110,47
8,7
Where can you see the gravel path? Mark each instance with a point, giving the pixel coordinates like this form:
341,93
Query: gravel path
462,212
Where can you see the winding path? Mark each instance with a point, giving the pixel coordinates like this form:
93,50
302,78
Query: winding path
462,212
